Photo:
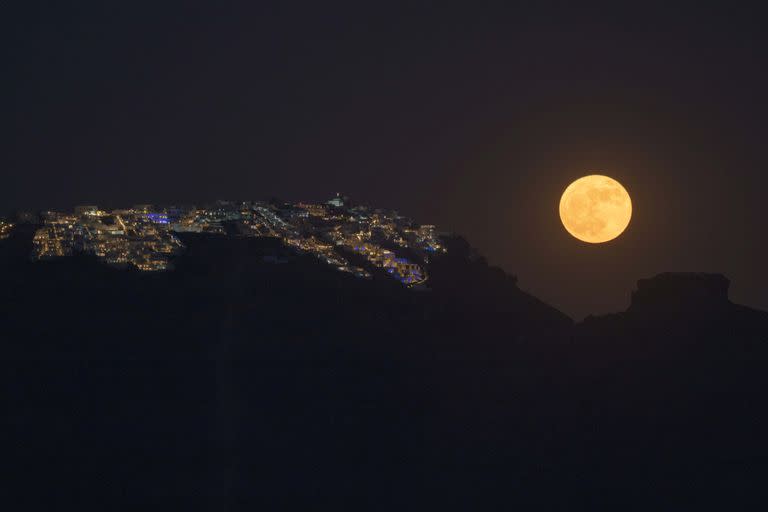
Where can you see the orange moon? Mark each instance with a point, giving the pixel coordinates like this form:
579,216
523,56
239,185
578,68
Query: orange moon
595,209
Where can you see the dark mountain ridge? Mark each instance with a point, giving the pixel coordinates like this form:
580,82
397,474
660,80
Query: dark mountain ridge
233,382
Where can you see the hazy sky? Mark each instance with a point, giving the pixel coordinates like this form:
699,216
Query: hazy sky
475,120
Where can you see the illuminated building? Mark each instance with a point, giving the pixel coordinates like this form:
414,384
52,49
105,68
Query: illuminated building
88,211
339,201
158,218
5,229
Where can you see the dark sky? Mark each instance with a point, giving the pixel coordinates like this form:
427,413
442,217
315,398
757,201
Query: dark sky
473,119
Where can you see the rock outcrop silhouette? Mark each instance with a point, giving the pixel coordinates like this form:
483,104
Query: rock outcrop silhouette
674,292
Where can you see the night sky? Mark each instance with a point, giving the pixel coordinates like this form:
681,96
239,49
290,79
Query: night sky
471,119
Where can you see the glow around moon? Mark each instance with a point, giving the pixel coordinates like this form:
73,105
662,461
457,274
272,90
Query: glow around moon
595,209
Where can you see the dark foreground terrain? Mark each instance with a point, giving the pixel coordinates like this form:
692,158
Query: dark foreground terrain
234,384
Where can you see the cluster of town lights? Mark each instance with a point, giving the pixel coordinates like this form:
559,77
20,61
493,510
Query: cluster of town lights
147,237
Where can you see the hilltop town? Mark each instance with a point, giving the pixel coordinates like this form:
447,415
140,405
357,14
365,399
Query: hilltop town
148,237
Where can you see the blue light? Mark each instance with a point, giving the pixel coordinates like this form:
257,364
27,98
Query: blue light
158,218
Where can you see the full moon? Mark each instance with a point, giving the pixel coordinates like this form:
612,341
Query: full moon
595,209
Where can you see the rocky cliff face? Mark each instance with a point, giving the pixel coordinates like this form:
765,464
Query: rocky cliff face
234,384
